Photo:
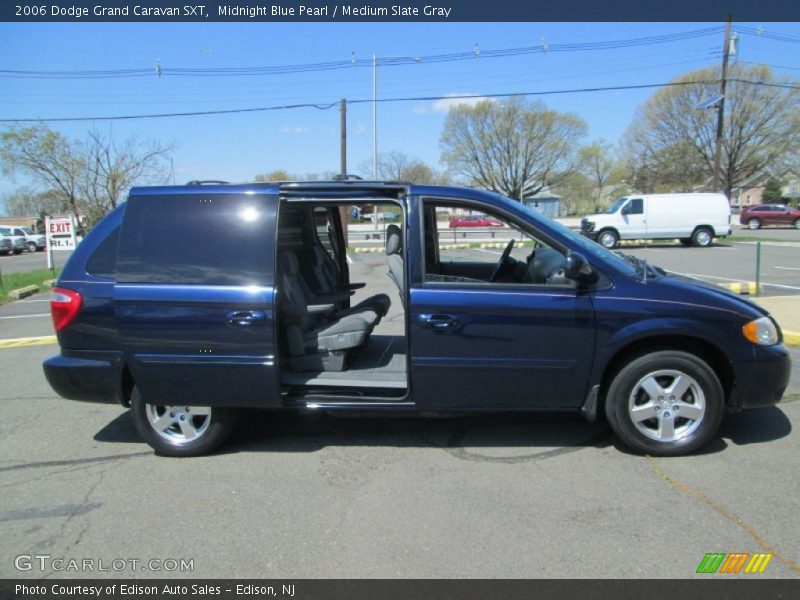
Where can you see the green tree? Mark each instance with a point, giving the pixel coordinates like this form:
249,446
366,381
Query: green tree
671,141
515,148
773,192
273,176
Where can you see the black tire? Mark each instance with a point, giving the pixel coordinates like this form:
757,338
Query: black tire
31,246
797,223
702,237
221,421
608,238
753,224
704,397
686,242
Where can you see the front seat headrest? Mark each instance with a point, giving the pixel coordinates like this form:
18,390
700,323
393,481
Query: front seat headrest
394,239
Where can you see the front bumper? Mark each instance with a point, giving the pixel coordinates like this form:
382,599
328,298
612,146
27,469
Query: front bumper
763,380
90,379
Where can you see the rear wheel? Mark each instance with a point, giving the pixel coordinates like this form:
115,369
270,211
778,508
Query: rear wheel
181,430
797,223
702,237
665,403
753,224
608,238
31,246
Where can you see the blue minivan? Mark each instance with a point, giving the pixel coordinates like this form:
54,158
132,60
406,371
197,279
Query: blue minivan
188,303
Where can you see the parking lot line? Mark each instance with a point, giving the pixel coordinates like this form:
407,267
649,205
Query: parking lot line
26,316
28,341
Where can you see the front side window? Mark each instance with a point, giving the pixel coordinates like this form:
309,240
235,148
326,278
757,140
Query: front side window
502,252
635,207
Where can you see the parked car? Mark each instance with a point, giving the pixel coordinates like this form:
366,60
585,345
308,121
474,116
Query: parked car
758,215
695,219
35,241
6,245
262,314
474,221
19,242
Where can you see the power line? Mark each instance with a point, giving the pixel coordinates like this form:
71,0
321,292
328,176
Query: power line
470,55
357,101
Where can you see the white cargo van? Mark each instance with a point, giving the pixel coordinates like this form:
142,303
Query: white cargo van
695,219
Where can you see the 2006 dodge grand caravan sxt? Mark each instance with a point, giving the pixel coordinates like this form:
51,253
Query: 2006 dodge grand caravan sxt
189,302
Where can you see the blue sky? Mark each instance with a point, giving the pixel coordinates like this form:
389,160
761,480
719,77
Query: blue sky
237,147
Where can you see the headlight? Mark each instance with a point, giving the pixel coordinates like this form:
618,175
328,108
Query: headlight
761,331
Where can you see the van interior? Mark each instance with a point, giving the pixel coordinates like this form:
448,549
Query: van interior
341,319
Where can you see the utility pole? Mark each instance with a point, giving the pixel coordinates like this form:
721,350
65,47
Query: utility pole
721,104
374,116
343,137
344,211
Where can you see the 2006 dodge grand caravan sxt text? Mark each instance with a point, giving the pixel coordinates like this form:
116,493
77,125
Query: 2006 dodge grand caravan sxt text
189,302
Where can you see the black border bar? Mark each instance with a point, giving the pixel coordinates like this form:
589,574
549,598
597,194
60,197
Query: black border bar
382,10
710,586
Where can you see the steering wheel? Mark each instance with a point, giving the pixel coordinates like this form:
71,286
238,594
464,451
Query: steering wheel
501,263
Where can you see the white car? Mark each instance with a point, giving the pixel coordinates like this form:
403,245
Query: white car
19,241
35,241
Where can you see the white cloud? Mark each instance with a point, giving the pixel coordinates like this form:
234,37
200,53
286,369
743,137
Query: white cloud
420,109
295,129
445,104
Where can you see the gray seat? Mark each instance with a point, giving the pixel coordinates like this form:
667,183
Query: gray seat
326,276
316,339
394,251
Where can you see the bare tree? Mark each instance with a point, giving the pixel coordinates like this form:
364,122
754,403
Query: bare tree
396,166
112,168
25,202
671,141
515,148
87,177
598,164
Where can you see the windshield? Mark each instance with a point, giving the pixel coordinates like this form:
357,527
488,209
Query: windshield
616,206
590,248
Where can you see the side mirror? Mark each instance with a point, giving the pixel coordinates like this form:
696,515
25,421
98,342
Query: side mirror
578,269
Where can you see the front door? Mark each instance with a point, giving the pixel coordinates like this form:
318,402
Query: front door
635,217
194,298
515,338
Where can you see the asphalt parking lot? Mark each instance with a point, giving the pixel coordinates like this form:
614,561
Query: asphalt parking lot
317,496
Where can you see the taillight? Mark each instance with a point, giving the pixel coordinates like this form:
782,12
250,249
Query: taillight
64,307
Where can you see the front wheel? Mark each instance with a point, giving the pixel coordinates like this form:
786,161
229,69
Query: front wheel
702,237
181,430
665,403
753,224
31,246
797,223
608,239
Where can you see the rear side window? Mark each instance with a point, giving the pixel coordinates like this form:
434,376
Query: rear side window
209,239
103,261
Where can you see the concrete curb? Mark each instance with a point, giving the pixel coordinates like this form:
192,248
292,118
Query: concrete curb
23,292
791,338
49,283
743,287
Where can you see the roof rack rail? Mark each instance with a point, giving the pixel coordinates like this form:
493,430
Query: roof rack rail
207,182
347,177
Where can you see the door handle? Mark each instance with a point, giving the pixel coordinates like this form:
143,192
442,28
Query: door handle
440,322
246,318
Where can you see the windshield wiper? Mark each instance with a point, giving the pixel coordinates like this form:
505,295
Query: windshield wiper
642,267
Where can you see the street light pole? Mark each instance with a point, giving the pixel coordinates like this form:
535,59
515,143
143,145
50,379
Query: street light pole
374,116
